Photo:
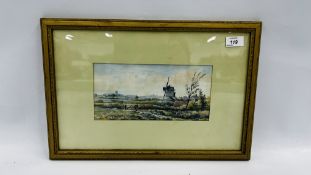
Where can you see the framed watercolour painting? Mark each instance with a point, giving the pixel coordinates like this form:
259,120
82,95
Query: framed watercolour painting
137,89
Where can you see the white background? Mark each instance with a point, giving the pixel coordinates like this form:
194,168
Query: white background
282,130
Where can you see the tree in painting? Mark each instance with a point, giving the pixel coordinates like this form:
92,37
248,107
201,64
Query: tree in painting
193,88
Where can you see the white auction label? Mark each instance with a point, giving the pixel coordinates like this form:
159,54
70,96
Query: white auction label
234,41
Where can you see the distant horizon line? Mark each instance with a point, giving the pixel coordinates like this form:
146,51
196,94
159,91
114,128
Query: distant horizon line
211,65
124,94
136,95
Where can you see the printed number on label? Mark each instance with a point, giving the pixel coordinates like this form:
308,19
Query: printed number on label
234,41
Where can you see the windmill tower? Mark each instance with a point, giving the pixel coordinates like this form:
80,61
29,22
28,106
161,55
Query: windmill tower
169,91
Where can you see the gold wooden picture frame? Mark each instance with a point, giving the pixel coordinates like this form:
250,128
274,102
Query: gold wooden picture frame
129,89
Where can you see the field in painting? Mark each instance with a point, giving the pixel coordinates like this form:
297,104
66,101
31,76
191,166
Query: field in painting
148,108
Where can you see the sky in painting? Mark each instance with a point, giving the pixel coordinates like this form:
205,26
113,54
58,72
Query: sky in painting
143,80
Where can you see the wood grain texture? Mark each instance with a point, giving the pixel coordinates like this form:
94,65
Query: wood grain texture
50,24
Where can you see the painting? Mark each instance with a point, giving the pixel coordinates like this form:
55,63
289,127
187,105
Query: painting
152,92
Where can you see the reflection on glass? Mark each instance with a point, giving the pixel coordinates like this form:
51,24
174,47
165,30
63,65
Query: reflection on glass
69,37
211,39
109,35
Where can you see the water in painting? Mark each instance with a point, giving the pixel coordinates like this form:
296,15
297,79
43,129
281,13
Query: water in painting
152,92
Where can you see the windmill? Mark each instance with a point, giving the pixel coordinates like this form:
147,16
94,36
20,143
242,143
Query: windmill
169,91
